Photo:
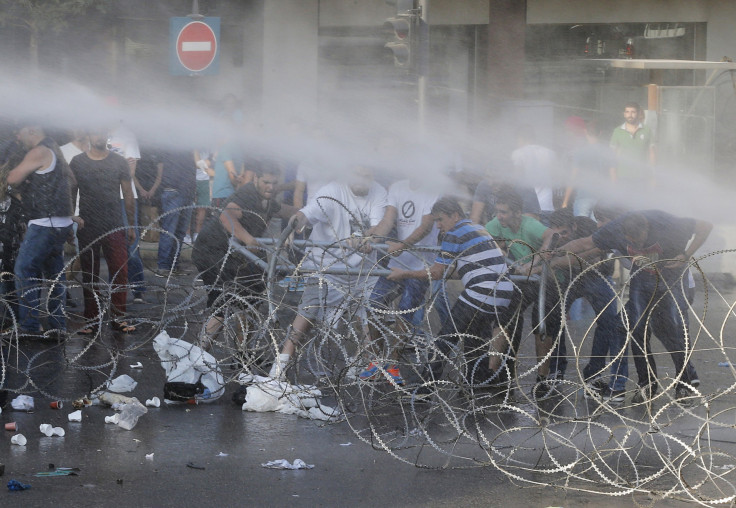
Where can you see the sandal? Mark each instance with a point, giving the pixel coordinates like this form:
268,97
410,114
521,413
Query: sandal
89,330
122,327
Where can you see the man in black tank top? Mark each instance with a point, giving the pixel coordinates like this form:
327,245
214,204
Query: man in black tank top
42,178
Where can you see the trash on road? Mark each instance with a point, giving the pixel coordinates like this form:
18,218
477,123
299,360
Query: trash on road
267,394
192,465
19,439
154,402
47,430
56,404
149,456
222,454
59,471
130,414
121,384
22,403
138,365
284,464
76,416
188,367
16,485
114,419
11,426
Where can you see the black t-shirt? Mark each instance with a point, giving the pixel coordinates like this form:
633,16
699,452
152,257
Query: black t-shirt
256,215
179,171
99,190
667,238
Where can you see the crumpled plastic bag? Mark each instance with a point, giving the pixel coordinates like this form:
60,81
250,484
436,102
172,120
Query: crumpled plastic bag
22,403
285,464
187,363
121,384
267,394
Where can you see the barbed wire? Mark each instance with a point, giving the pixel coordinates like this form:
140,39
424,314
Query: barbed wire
651,450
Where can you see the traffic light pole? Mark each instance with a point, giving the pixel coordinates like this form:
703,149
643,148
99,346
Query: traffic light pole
422,64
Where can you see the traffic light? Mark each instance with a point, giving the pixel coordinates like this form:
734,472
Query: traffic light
401,33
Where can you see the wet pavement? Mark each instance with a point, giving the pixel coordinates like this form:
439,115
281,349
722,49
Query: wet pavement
213,453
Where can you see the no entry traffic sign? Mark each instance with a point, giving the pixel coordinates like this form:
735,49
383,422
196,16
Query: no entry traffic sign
194,46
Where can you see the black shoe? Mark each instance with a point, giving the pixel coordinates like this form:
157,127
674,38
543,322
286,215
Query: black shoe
239,396
644,393
613,396
594,388
543,389
56,335
685,396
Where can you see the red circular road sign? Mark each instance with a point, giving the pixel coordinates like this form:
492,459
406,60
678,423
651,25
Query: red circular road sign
196,46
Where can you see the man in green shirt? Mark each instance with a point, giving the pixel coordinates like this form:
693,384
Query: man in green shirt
522,238
634,146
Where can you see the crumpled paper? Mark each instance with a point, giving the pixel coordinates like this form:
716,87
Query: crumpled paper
22,403
284,464
122,383
267,394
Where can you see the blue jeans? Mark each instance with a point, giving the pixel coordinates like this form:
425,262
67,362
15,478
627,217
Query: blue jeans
174,221
41,256
135,264
412,294
609,338
655,307
440,301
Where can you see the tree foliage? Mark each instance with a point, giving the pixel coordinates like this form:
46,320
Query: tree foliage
40,15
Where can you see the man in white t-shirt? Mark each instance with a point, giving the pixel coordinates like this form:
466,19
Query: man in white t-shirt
346,215
537,166
410,209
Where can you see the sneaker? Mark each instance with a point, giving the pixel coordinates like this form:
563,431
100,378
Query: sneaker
610,395
543,389
685,396
594,388
394,374
138,298
695,382
179,271
370,373
188,239
161,274
644,393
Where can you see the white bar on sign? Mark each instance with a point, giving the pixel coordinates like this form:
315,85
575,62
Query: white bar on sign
196,46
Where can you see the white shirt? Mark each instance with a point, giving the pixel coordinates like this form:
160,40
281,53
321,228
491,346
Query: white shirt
411,205
122,141
336,214
70,151
314,179
538,165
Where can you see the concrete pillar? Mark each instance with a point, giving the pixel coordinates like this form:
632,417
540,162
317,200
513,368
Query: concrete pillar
505,50
290,58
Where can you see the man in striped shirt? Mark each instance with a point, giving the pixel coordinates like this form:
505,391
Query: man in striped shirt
471,254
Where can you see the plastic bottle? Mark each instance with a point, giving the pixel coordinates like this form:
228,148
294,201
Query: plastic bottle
129,415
